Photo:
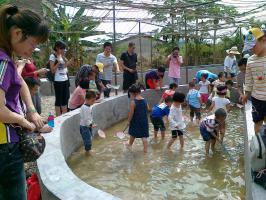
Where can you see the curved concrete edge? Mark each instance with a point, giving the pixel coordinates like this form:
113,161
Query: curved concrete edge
253,191
58,180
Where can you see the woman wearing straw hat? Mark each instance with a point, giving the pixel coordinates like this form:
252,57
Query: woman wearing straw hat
230,64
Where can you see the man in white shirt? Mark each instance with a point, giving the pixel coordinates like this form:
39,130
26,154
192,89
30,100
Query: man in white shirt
230,65
110,64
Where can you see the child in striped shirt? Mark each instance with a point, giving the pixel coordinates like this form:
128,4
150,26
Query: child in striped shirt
210,128
255,79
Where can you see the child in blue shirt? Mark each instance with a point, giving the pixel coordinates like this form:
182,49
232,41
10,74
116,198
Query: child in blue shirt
194,100
158,112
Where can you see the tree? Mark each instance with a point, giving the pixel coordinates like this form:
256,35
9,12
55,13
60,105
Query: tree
193,21
70,29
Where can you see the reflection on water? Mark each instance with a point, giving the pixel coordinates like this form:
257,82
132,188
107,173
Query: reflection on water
161,174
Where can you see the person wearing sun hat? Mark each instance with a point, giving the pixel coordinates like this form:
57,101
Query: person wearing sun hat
230,64
255,78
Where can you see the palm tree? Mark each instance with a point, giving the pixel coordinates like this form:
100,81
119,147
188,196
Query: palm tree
70,29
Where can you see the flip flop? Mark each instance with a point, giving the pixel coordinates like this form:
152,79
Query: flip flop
121,135
101,133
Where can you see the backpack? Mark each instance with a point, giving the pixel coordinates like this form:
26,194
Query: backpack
50,74
258,150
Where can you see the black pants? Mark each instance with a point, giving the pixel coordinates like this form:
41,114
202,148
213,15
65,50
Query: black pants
106,91
62,93
129,79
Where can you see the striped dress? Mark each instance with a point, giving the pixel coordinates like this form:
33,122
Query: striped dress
255,79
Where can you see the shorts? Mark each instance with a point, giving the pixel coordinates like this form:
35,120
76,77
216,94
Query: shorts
193,111
204,98
258,110
231,74
62,93
176,133
206,135
158,123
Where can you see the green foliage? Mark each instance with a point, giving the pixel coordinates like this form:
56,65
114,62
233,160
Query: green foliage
70,29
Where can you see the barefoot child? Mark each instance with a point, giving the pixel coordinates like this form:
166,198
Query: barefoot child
204,88
137,118
157,114
211,126
86,121
194,100
176,119
170,92
221,102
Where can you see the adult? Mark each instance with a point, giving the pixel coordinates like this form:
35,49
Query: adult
129,61
58,65
154,78
20,32
230,64
174,61
210,75
30,71
110,64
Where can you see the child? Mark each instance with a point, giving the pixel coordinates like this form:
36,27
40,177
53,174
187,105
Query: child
176,119
242,63
229,84
34,85
137,118
77,98
219,81
255,79
194,100
86,121
220,102
157,114
170,92
204,88
210,126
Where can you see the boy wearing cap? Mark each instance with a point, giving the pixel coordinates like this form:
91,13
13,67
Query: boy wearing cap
230,63
255,79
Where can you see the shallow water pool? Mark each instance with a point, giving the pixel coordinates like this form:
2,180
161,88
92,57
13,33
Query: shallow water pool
163,174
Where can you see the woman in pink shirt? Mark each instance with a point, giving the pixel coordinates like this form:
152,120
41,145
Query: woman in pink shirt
174,61
77,98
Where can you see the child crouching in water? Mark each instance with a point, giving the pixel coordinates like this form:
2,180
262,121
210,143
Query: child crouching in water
176,119
137,118
86,120
211,126
158,112
221,102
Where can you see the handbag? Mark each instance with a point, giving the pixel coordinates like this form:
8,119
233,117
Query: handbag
259,177
31,144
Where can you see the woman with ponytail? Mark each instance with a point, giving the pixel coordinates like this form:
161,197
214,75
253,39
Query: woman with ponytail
20,32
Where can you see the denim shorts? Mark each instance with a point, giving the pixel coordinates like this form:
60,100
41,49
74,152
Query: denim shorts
258,110
206,135
176,133
158,123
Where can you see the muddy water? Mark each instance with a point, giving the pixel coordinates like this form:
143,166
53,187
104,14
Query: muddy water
160,174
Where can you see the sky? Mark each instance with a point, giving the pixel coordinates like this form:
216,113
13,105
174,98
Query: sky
132,28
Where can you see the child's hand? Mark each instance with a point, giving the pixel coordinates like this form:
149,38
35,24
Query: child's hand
94,125
46,129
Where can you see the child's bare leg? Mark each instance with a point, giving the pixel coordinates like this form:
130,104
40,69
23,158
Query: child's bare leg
145,144
257,126
181,139
170,143
131,141
163,134
155,134
222,133
207,147
213,141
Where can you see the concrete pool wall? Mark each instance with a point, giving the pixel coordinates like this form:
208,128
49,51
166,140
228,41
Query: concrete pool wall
58,181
